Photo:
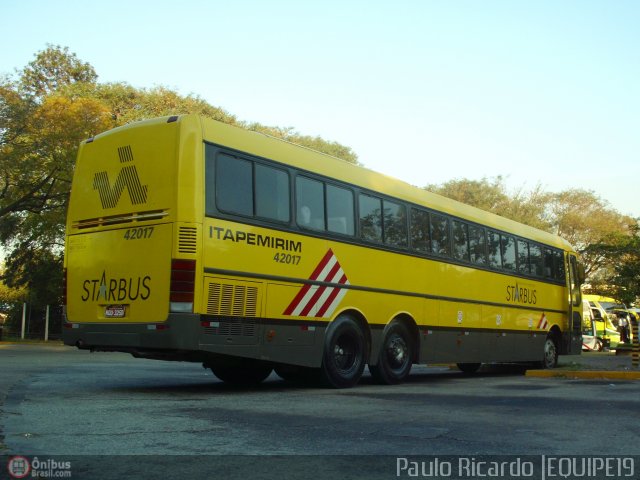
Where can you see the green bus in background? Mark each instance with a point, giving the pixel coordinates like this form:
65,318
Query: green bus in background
601,322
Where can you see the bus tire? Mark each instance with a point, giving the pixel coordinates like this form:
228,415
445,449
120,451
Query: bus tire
244,373
344,354
468,368
550,353
394,360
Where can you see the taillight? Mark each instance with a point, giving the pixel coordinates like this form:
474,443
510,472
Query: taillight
182,286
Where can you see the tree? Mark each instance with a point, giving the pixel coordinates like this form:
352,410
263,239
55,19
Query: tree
626,276
54,68
491,195
621,280
39,134
289,134
9,295
127,104
33,275
486,194
594,228
37,154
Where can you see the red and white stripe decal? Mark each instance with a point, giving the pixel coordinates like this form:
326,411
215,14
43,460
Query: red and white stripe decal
320,301
543,324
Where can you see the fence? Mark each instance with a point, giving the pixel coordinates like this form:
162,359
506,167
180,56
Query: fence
27,323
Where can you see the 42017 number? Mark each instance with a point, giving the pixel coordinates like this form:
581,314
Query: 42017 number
287,258
138,233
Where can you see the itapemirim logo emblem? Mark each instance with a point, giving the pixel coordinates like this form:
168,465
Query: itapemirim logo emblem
127,177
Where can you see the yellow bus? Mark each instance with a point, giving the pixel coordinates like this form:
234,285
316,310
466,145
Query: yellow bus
192,240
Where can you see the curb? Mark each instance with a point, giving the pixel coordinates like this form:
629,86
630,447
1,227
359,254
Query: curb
597,374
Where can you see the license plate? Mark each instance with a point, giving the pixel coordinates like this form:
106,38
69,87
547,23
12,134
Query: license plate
114,311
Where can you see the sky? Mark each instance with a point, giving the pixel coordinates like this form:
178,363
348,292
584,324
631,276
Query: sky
540,92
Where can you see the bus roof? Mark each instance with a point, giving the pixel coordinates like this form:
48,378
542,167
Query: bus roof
304,158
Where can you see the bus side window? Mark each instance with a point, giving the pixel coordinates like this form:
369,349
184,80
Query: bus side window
523,257
559,270
340,217
548,263
495,257
420,230
395,223
477,245
439,234
234,185
460,240
272,193
370,218
310,203
535,259
508,246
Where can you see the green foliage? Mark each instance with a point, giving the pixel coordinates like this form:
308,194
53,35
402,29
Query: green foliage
492,195
38,146
315,143
621,280
486,194
9,295
595,229
33,276
54,68
127,104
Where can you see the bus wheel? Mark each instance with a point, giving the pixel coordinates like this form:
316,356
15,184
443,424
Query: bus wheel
245,372
343,358
468,367
394,361
550,358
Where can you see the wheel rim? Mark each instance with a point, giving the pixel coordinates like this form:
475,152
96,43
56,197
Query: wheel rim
345,353
397,352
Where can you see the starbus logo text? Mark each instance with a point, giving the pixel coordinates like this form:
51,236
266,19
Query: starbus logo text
523,294
116,289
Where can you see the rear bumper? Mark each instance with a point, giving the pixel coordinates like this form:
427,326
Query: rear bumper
194,337
179,332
